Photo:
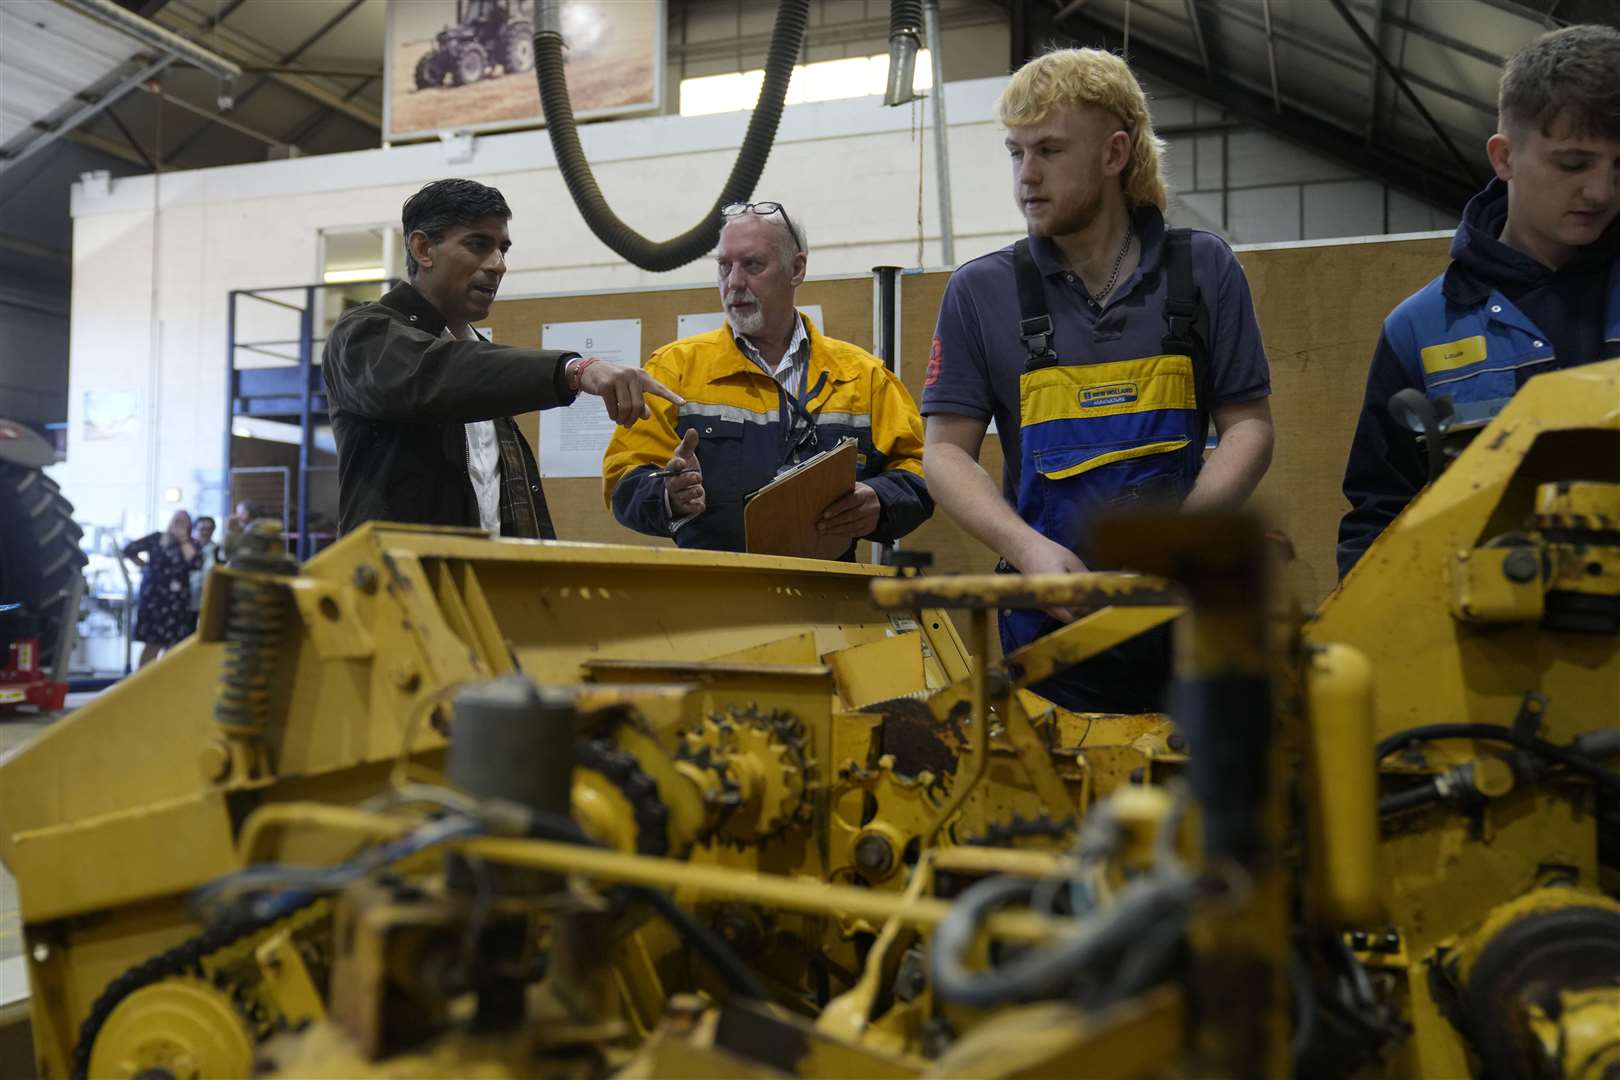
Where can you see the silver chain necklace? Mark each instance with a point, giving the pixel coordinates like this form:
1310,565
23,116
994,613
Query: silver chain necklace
1119,260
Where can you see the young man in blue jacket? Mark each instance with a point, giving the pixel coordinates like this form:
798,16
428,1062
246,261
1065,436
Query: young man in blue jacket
1533,285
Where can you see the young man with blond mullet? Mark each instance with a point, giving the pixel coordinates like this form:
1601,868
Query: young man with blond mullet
1102,345
1534,280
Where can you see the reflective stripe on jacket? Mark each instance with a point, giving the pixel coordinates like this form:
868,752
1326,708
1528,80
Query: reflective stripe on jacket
738,412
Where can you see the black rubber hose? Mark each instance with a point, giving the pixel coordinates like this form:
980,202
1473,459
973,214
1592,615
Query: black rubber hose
786,41
710,945
906,17
1410,799
1046,971
1570,759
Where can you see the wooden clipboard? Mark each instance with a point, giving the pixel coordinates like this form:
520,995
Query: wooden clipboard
780,518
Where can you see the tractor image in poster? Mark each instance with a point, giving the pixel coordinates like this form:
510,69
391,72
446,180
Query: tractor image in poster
487,34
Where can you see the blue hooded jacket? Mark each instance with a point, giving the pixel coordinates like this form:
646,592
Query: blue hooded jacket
1494,319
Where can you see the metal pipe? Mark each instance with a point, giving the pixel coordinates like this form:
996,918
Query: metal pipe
905,30
885,324
978,756
942,154
1374,89
1198,37
230,394
158,37
1271,56
768,890
902,69
306,360
213,118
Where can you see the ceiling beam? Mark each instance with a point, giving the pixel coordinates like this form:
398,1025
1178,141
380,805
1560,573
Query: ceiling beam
32,250
266,73
1402,85
301,84
315,121
1271,55
212,117
129,137
1349,62
1375,87
110,147
1198,37
1415,177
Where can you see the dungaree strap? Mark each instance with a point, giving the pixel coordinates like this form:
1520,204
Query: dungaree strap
1181,315
1035,321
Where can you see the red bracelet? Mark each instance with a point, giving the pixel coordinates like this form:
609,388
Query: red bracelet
578,375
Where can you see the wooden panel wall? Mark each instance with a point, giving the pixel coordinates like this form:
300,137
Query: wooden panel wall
1320,308
576,503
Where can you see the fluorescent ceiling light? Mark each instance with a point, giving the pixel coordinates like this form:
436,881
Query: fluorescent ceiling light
362,273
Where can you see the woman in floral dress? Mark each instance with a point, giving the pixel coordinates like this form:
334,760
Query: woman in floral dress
163,611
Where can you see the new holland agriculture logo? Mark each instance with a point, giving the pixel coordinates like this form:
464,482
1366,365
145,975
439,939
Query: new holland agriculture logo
1120,393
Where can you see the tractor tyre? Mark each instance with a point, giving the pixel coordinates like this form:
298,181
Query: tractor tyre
427,71
517,48
469,64
40,558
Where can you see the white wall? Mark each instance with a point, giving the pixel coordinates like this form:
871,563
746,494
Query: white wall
849,169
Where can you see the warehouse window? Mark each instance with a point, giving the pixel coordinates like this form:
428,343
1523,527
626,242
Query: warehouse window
827,80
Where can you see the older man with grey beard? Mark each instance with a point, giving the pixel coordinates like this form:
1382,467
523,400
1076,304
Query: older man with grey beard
762,393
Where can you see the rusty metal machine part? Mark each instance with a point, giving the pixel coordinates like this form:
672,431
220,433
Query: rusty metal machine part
337,688
1283,945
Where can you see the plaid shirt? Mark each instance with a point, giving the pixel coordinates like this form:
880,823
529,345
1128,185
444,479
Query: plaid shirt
524,513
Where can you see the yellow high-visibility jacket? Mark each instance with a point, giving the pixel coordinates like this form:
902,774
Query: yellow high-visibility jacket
750,428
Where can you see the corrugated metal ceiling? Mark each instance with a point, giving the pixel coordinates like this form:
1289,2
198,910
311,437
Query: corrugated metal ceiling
49,56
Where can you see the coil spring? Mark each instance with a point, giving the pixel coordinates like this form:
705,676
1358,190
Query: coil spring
255,623
253,633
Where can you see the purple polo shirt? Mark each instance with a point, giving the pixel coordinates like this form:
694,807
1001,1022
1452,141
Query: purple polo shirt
978,356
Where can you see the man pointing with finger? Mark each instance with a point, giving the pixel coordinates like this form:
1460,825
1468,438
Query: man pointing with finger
762,393
422,405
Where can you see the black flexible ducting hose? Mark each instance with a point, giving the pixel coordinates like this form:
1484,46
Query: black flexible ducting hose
786,41
906,17
1570,759
1042,972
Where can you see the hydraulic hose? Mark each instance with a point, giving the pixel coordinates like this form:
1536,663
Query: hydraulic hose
786,41
1162,898
1574,758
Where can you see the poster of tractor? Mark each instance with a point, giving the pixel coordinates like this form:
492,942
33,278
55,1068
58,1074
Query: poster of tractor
468,65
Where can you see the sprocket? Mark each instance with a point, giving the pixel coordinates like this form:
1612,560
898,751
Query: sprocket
620,770
763,766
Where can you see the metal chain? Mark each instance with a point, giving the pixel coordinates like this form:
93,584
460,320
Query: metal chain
1119,260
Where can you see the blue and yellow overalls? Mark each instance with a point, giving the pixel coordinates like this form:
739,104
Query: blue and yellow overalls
1101,436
